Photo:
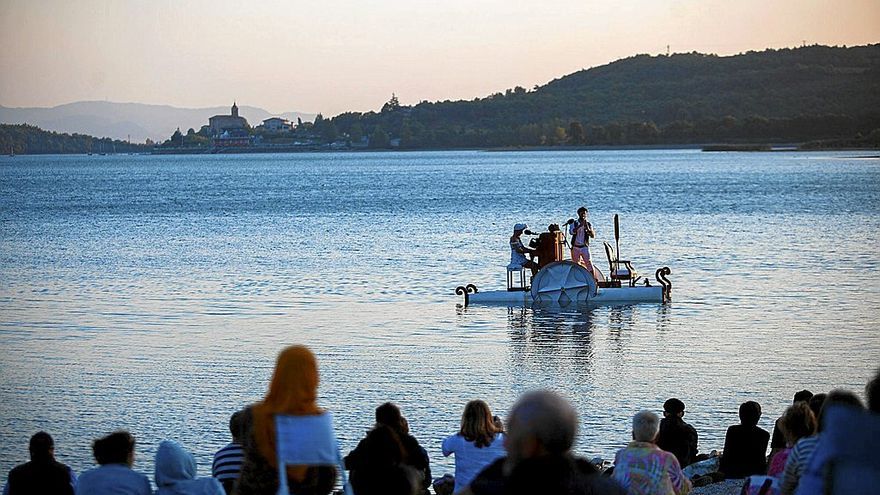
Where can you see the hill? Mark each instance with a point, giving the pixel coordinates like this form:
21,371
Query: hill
121,120
26,139
801,94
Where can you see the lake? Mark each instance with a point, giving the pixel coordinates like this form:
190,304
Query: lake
153,293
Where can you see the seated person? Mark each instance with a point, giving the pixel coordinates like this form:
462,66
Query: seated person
227,461
115,454
797,422
518,251
642,467
745,445
43,474
676,436
541,432
477,444
388,456
176,473
778,440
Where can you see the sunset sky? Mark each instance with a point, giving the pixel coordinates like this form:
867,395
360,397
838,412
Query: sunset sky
334,56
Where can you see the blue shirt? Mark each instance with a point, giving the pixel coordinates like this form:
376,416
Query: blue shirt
113,479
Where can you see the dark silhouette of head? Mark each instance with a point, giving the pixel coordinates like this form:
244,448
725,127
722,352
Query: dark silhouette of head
673,407
749,413
872,392
839,397
115,448
802,396
237,425
388,414
42,447
582,209
816,402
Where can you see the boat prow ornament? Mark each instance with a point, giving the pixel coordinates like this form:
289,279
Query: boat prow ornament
561,282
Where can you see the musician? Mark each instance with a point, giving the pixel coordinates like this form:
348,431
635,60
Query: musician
518,251
581,230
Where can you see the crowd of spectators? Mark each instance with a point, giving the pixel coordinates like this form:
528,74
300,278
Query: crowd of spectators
531,454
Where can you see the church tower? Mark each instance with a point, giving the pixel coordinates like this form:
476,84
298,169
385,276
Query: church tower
234,109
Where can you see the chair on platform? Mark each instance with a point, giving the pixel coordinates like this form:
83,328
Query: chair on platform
307,441
518,278
619,269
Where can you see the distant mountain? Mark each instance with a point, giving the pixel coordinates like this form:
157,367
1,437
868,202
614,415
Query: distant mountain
121,120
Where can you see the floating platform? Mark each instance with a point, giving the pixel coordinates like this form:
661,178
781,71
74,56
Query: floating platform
564,283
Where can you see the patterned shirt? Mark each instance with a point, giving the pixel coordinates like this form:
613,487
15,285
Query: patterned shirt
643,469
227,462
797,462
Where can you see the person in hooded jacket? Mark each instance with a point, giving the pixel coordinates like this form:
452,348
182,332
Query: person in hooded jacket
176,473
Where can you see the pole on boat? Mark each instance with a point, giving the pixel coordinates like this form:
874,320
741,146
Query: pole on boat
617,235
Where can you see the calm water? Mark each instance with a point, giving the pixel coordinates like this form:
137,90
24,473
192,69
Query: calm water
153,293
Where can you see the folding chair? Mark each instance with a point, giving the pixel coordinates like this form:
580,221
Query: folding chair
307,441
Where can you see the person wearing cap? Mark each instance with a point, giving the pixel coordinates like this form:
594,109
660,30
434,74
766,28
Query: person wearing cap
675,435
518,251
581,230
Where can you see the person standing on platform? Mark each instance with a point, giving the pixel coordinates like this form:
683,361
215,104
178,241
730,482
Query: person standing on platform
581,230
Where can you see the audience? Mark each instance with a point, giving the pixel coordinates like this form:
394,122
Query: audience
477,444
745,445
43,474
176,473
388,448
541,431
293,391
676,436
115,456
797,422
778,441
812,479
227,461
642,468
533,456
804,449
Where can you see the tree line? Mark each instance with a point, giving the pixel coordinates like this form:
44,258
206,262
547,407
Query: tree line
22,139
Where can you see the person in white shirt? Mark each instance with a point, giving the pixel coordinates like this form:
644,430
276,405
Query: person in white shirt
518,251
479,442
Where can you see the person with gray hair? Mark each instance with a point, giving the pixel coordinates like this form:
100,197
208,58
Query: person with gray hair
542,428
643,468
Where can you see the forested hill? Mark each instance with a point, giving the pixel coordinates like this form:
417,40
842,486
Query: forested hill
814,92
23,139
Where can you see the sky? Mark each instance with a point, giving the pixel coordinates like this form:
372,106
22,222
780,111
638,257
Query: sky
334,56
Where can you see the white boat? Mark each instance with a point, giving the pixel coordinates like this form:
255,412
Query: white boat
563,283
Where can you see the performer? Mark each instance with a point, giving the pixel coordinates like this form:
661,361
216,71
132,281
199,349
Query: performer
518,251
581,230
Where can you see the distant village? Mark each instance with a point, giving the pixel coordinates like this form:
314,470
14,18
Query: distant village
232,133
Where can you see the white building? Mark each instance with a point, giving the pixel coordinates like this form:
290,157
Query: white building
276,124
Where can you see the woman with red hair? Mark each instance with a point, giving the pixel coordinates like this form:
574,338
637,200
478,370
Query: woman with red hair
293,391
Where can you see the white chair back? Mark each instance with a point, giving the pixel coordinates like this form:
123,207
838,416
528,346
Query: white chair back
307,441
